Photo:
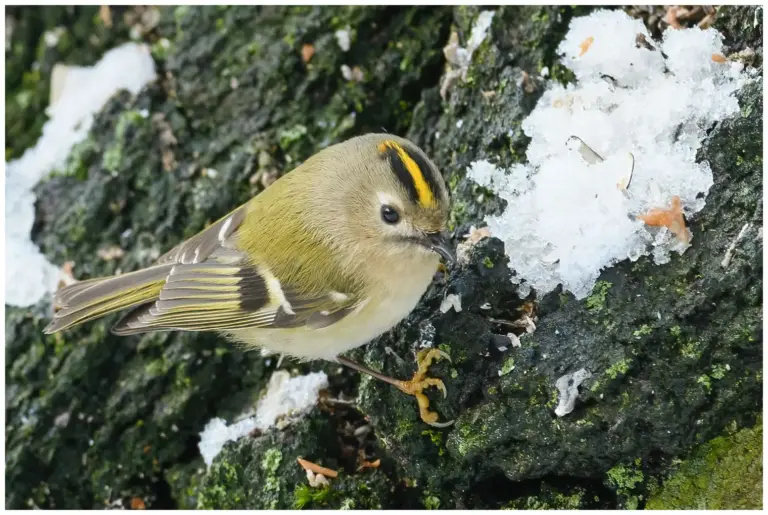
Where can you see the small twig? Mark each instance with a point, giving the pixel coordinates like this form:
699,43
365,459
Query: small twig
317,469
729,253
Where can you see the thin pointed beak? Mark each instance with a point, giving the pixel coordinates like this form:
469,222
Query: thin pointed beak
438,242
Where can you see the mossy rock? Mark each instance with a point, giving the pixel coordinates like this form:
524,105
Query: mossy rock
95,421
726,473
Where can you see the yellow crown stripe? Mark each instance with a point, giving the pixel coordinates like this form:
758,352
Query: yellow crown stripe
425,196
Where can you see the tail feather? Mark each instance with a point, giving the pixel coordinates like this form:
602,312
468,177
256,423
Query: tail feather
87,300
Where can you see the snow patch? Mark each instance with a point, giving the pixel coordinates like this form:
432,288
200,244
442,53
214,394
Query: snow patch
78,94
618,144
286,396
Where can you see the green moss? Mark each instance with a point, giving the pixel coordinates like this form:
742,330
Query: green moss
292,135
270,463
161,49
644,330
80,158
725,473
304,495
431,502
691,350
508,366
225,492
470,437
718,371
487,262
113,156
624,479
404,428
705,381
548,500
618,368
596,301
436,437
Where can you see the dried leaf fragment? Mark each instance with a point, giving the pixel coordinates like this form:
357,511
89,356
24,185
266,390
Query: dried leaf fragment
110,253
137,504
106,15
642,42
528,85
307,51
316,469
65,274
707,21
365,464
370,464
719,58
671,218
671,18
584,46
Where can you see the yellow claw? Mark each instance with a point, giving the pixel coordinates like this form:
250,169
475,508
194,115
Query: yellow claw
416,385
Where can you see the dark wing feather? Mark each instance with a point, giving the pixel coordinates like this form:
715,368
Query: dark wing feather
213,286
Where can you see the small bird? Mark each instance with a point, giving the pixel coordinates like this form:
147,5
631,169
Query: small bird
328,257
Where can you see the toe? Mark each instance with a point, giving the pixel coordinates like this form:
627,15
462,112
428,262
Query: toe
441,424
443,355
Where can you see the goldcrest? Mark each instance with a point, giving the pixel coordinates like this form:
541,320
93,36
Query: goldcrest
328,257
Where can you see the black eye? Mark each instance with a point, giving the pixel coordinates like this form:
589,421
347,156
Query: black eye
389,215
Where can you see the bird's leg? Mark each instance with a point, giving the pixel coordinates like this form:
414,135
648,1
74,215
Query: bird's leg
416,385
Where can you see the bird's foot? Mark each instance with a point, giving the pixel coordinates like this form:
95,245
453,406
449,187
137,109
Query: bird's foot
420,381
416,385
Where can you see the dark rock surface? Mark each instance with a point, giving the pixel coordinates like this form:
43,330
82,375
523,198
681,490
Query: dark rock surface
94,420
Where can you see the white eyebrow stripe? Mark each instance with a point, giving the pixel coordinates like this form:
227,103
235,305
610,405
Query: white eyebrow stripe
387,199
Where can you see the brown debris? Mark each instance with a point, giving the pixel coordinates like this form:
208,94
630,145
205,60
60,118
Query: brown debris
671,218
658,17
307,51
707,21
364,463
671,18
584,46
528,84
137,504
66,274
642,42
110,253
719,58
316,469
106,15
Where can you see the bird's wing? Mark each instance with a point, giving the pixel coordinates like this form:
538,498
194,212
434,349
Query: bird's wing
212,285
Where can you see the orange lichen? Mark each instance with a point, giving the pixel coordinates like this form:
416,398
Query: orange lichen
671,218
584,46
317,469
719,58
